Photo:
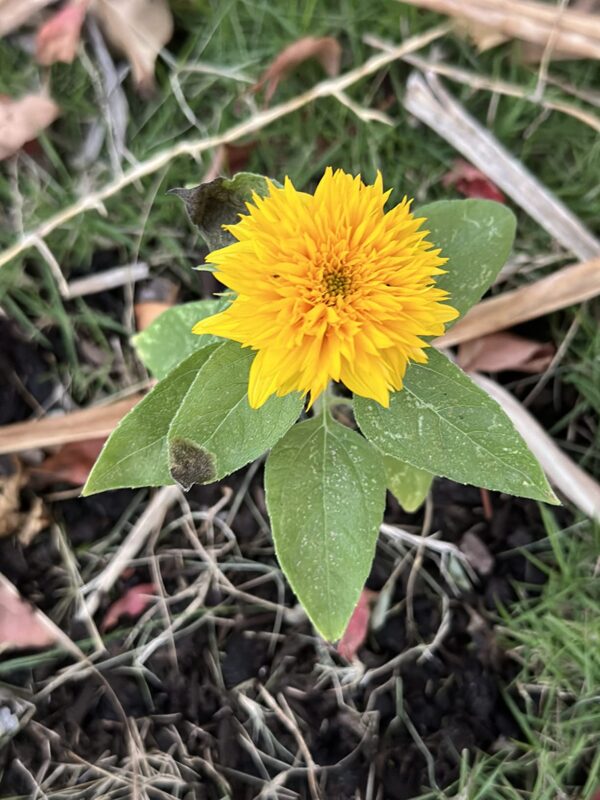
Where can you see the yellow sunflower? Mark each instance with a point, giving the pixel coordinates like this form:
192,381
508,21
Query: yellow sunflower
329,287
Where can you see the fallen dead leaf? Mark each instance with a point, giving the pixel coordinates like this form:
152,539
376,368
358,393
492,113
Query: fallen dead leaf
138,29
505,351
58,38
153,298
21,120
132,604
22,625
14,13
325,49
13,519
146,313
72,463
471,182
358,627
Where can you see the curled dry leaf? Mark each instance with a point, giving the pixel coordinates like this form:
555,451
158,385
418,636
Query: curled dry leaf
21,625
505,351
138,29
14,13
58,38
72,463
471,182
325,49
21,120
132,604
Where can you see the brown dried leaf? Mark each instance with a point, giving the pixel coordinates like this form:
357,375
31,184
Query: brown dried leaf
58,38
21,625
325,49
72,463
505,351
23,119
13,13
146,313
139,29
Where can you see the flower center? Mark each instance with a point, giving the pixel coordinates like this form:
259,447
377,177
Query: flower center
336,281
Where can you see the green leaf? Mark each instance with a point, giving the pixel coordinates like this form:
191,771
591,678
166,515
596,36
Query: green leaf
136,453
215,431
220,202
476,236
409,485
325,491
169,339
443,423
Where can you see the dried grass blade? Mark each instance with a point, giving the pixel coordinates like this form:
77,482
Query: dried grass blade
434,106
582,490
566,287
76,426
574,32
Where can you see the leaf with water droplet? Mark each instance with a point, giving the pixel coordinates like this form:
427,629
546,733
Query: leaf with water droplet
214,430
443,423
325,491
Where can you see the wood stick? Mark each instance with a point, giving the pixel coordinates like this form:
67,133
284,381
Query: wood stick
76,426
566,287
569,31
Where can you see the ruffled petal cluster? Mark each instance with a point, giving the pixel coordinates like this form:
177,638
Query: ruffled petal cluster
330,287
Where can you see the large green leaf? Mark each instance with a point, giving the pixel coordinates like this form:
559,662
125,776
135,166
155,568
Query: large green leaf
169,339
408,484
325,490
215,431
443,423
136,454
476,237
220,202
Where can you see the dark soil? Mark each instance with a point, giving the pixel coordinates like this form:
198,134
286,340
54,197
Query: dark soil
202,703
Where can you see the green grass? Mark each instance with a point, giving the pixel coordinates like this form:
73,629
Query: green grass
555,697
557,638
240,39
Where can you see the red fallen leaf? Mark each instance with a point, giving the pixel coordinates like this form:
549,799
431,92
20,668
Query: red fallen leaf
72,463
358,627
471,182
22,119
133,603
325,49
505,351
58,38
21,625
